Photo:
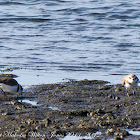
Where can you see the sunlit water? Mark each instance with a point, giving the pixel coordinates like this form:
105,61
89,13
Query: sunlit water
56,40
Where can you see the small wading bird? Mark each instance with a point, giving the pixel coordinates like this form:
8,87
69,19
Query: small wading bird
10,85
130,81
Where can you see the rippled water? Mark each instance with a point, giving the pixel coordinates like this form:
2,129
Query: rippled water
52,41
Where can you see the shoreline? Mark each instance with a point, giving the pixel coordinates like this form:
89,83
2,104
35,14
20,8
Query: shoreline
76,107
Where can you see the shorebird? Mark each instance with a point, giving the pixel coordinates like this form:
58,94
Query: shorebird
130,81
10,85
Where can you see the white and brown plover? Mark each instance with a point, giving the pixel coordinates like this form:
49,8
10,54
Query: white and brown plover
10,85
130,81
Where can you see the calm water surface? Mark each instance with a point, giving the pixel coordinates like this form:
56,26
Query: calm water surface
56,40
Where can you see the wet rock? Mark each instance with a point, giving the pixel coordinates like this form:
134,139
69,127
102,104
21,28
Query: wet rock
88,82
117,138
117,98
78,113
118,89
117,132
31,121
100,111
40,126
8,75
110,131
46,122
101,87
122,133
108,116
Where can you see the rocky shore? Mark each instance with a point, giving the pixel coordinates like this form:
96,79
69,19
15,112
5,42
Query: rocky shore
80,108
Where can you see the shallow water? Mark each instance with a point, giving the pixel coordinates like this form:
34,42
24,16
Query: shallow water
54,108
34,103
53,41
136,132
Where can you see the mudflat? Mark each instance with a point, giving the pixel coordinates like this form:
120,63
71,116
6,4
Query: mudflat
80,108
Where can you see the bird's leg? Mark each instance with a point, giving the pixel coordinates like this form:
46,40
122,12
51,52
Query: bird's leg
21,96
127,92
133,91
21,100
130,92
3,91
